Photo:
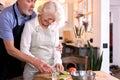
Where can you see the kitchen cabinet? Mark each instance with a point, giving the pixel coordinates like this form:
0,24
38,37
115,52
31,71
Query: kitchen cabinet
81,51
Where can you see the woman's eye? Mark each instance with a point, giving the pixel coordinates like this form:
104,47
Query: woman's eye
51,20
31,1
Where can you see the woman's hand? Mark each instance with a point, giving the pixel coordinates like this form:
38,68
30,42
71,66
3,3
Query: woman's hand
59,67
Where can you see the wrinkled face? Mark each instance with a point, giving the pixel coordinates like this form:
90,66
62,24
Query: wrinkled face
26,6
47,19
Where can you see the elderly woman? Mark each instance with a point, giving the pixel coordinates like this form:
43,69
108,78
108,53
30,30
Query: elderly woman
41,36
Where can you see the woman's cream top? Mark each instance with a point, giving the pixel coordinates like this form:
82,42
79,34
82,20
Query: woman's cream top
41,43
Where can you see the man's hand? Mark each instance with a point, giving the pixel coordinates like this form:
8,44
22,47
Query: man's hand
43,66
39,64
59,47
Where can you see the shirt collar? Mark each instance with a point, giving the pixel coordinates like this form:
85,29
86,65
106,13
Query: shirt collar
21,19
17,11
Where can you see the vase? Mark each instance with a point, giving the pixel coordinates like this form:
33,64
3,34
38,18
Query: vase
79,41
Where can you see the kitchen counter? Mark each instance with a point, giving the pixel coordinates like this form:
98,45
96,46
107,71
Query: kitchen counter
100,75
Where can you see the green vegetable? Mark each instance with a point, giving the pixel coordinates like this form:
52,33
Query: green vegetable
64,73
61,79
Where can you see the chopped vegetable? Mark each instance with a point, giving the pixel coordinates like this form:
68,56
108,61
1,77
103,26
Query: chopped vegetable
64,73
72,69
61,79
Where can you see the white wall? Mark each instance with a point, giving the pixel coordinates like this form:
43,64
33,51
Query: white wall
115,11
104,33
6,2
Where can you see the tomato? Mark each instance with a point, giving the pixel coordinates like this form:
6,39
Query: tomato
72,69
89,70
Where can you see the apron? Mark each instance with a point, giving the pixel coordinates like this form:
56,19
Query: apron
42,47
9,66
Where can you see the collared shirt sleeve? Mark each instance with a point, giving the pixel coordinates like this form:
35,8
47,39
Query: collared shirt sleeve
8,21
57,54
25,43
57,57
6,26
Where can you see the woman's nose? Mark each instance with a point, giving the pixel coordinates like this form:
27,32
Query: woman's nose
50,21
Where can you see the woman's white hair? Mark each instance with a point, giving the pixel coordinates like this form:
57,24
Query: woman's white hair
50,6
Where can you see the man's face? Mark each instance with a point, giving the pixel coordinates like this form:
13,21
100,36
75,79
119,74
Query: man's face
26,6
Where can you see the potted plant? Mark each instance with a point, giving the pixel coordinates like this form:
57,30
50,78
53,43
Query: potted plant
95,63
78,33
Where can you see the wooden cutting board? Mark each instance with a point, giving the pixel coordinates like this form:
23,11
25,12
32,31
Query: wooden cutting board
43,76
48,76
